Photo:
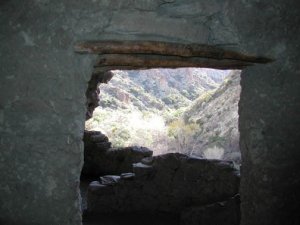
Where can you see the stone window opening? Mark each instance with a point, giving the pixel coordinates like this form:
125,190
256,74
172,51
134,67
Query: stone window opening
144,55
165,109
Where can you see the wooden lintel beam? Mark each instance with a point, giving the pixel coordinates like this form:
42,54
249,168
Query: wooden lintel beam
164,48
153,61
104,69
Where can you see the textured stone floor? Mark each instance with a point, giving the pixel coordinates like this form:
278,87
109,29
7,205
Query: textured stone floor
132,219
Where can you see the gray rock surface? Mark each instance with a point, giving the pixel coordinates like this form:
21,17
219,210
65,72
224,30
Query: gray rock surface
172,183
269,110
42,101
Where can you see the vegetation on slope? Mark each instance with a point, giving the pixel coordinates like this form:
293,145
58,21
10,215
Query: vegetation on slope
179,110
217,115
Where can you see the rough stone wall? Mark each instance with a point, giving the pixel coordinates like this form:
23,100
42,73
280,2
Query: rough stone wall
165,183
269,112
43,84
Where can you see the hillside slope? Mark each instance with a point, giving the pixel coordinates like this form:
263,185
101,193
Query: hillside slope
158,89
187,110
216,113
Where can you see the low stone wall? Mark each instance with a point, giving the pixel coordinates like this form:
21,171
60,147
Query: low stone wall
101,159
165,183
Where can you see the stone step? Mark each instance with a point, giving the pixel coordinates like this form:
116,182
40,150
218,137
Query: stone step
109,180
140,169
147,161
127,176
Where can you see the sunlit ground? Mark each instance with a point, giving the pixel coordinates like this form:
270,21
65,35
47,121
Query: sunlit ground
127,128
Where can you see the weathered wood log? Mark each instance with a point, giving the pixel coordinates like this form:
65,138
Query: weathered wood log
164,48
155,61
104,69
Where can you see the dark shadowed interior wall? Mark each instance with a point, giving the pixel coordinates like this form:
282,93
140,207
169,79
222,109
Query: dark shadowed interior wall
43,84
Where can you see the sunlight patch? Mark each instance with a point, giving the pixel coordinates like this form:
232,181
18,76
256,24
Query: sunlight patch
214,153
